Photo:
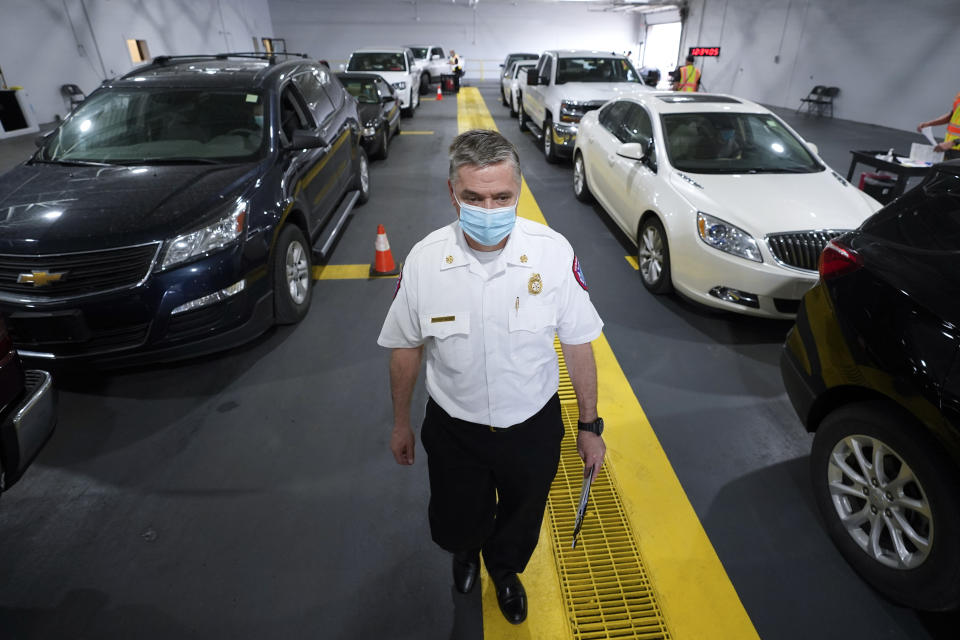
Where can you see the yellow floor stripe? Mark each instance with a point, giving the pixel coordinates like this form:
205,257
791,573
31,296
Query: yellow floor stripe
344,272
693,589
633,262
416,133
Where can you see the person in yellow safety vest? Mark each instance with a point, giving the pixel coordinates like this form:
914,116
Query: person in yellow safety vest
951,145
687,77
457,64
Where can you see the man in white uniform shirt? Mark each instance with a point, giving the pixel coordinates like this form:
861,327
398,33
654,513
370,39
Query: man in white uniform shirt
483,298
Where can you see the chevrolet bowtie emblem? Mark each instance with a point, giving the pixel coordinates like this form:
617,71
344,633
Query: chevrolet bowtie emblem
40,278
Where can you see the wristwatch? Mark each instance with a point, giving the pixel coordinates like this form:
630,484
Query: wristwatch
593,427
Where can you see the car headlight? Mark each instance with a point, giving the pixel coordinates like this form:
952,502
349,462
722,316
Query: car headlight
369,129
208,239
726,237
399,85
571,111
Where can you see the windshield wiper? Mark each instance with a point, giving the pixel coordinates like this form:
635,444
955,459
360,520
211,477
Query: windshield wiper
151,161
74,163
779,170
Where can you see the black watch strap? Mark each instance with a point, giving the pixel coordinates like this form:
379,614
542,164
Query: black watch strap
593,427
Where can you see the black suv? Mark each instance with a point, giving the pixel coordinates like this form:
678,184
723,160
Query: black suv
873,368
178,209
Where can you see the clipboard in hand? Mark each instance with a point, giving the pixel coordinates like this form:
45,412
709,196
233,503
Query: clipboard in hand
582,508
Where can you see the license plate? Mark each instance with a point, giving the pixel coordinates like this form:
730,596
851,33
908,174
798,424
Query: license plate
61,327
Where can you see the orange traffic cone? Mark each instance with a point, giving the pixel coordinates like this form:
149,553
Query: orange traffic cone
439,92
383,264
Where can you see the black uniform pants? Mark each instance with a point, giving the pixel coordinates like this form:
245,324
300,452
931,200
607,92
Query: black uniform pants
489,487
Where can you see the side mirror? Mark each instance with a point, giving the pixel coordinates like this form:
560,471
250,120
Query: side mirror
303,139
634,150
343,67
389,98
435,56
532,78
41,139
814,148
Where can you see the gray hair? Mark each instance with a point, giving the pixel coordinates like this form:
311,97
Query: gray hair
482,148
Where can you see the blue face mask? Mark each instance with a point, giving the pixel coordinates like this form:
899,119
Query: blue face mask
487,226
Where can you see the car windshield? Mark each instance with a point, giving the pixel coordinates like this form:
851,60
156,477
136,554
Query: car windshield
377,62
595,70
420,53
734,143
151,126
363,90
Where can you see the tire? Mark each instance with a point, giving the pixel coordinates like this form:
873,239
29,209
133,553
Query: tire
424,84
549,148
362,180
581,190
384,151
513,108
292,276
653,256
921,577
521,116
503,97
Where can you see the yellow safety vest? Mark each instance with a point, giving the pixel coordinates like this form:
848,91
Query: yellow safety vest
953,127
690,78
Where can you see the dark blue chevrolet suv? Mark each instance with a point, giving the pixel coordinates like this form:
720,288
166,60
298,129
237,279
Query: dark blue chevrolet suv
177,211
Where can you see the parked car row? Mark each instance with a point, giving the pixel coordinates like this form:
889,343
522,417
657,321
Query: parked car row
180,208
733,209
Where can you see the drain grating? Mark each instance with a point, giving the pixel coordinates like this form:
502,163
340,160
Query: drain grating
604,584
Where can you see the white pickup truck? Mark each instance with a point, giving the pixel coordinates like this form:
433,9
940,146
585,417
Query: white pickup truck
567,84
432,62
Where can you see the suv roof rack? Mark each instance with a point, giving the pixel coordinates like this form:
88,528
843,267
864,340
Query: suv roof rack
255,55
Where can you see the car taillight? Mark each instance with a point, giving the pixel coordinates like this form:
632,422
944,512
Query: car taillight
837,260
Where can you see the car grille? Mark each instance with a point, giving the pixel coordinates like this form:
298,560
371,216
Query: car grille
800,249
82,273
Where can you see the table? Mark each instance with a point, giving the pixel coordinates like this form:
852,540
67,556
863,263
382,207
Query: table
902,172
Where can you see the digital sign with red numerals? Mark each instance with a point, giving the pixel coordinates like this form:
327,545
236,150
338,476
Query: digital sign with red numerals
705,52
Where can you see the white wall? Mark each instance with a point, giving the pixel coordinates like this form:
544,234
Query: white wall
40,51
483,34
895,62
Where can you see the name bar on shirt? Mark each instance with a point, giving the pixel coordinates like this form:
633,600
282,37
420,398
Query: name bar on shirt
443,319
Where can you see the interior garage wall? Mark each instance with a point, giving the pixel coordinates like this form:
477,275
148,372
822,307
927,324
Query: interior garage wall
47,43
895,62
483,34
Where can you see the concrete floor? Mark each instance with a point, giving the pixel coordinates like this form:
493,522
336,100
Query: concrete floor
252,494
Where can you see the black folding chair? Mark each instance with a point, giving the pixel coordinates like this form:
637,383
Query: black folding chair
819,100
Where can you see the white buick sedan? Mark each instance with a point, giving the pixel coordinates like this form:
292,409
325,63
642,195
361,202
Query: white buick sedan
726,203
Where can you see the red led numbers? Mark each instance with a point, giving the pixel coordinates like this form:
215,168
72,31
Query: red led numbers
705,52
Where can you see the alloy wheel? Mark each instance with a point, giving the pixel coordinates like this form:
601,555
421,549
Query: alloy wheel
651,255
298,278
880,502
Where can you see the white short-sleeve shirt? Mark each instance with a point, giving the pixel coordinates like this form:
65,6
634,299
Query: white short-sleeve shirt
489,336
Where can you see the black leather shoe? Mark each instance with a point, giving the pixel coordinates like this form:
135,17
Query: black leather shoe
466,568
512,599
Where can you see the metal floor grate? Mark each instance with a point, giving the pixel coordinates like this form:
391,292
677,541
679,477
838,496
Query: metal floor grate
605,586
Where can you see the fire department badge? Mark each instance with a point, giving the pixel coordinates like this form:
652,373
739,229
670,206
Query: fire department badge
535,284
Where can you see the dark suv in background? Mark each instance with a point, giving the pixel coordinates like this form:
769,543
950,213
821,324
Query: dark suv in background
872,366
178,209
